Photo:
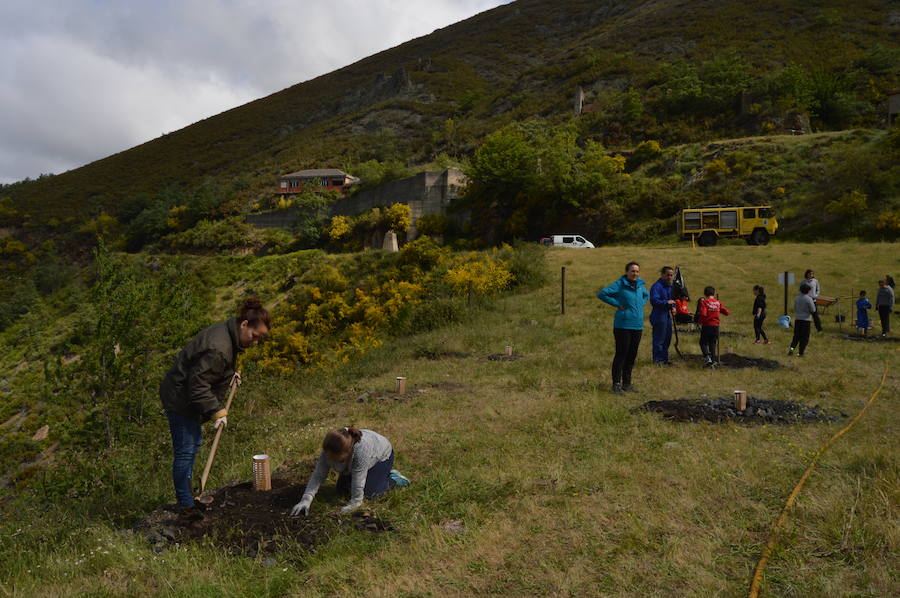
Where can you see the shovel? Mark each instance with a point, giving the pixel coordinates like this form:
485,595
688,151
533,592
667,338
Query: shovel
215,444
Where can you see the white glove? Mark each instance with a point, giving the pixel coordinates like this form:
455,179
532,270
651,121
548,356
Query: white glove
350,507
237,378
221,421
302,507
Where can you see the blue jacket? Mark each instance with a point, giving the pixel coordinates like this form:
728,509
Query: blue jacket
660,295
631,297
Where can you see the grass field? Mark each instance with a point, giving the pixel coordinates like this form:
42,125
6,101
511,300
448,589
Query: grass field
561,489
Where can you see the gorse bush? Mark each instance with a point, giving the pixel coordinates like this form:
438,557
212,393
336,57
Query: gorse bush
343,307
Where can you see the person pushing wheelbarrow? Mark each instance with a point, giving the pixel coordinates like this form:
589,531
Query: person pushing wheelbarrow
193,391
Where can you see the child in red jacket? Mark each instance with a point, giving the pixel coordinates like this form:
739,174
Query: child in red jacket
708,311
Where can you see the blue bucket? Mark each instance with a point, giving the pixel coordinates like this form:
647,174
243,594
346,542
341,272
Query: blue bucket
784,321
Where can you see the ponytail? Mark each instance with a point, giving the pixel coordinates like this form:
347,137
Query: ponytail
253,313
340,442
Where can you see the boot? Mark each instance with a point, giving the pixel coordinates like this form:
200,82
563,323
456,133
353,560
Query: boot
629,387
617,389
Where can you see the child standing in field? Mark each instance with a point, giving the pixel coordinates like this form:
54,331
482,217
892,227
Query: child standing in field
862,316
759,314
708,318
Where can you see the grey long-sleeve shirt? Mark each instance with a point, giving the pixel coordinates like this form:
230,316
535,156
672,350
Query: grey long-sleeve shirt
372,448
804,306
885,297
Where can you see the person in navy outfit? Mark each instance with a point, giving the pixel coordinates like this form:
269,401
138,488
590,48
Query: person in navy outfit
661,315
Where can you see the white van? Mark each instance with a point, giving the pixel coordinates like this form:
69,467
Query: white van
576,241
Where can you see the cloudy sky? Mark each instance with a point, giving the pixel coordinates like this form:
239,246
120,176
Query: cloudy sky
83,79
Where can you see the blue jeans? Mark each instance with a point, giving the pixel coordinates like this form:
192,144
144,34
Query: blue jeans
378,479
186,440
662,338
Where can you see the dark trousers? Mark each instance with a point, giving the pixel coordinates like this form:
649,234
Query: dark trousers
817,320
186,440
662,338
627,343
378,479
758,328
709,339
884,312
801,335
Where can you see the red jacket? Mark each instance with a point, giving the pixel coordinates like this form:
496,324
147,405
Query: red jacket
708,313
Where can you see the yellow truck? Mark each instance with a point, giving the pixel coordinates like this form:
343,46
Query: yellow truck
708,224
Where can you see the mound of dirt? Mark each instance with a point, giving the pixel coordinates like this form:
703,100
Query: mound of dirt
872,338
735,361
759,411
436,354
247,522
504,357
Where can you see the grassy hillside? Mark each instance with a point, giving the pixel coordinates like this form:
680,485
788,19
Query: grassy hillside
655,69
558,486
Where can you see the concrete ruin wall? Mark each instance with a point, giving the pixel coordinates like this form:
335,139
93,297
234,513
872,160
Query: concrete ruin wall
428,192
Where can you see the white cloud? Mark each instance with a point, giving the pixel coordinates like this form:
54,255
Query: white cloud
82,79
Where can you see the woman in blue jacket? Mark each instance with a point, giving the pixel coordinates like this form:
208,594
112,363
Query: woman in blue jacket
628,295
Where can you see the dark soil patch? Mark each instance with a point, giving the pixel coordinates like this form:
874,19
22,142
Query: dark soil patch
247,522
381,395
436,354
504,357
735,361
759,411
872,338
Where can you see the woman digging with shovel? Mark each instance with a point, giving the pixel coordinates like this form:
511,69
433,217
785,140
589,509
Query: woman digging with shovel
194,388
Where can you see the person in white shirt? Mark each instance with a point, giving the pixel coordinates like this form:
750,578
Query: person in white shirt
813,282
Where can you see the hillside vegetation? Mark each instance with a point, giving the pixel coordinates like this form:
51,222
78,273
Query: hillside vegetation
528,476
661,70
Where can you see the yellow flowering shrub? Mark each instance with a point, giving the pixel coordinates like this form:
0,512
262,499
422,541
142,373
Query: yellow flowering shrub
482,276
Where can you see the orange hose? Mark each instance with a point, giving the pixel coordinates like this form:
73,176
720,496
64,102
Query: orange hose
770,545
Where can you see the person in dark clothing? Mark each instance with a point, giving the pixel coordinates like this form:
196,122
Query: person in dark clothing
759,314
884,303
804,307
628,295
661,315
708,311
193,390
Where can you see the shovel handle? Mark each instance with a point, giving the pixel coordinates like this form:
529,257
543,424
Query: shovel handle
215,443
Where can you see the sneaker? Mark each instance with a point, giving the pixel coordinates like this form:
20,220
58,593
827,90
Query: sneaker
398,478
768,341
791,351
617,389
708,363
629,388
758,343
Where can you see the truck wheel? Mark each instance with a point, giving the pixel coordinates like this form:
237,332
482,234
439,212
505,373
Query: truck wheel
760,237
707,239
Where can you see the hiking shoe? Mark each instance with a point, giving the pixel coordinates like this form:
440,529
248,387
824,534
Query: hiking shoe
629,388
189,516
617,389
398,478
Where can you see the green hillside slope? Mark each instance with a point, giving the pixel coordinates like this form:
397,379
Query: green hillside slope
655,69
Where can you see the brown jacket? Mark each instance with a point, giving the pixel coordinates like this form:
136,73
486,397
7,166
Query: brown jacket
196,385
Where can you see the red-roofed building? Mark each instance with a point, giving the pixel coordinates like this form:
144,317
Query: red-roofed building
323,179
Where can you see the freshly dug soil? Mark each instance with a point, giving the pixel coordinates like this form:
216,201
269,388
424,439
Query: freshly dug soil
872,338
247,522
735,361
435,354
381,395
759,411
504,357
